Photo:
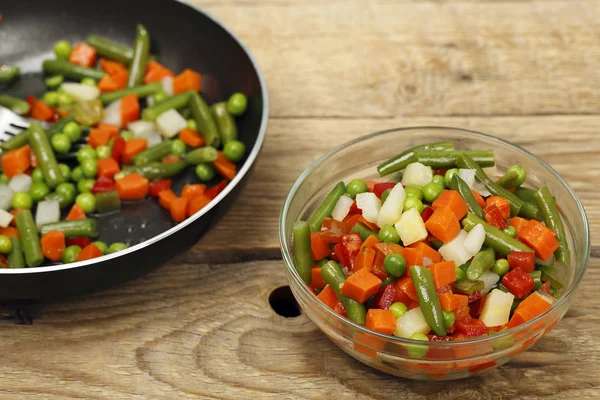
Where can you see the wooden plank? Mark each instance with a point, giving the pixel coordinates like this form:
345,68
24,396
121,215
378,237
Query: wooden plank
206,331
389,58
569,144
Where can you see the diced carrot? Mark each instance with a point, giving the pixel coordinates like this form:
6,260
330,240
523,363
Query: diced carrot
116,81
368,224
187,80
539,238
214,191
382,321
364,259
113,130
191,137
451,301
76,213
443,224
351,220
378,269
41,111
111,67
17,161
53,245
98,137
531,307
389,248
156,72
317,280
190,191
328,297
518,223
371,242
478,198
444,273
406,285
83,54
361,285
130,109
107,167
197,203
88,252
452,200
319,247
427,251
9,231
412,257
225,167
501,203
494,217
132,148
132,187
178,209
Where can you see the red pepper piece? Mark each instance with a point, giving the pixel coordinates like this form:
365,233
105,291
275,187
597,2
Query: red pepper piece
117,149
158,185
518,282
445,289
332,230
546,288
427,213
80,241
522,259
477,306
215,190
351,243
385,297
494,217
103,184
354,209
471,327
31,100
340,309
379,188
341,255
474,297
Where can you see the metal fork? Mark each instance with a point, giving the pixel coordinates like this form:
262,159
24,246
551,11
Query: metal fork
11,124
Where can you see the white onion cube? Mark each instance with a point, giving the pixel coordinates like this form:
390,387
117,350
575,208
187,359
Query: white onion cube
474,239
47,212
167,85
153,138
455,250
410,323
489,280
496,309
141,126
342,208
411,227
5,218
417,174
170,123
81,92
391,211
370,205
112,113
20,183
467,175
6,195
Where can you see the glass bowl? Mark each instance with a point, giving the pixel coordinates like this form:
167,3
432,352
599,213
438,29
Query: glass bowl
443,360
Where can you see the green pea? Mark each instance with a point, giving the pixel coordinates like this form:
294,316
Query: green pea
38,191
413,202
417,350
67,191
86,153
500,267
521,173
395,265
60,143
237,104
62,49
431,191
389,234
65,171
178,147
119,175
385,195
413,191
73,131
37,175
440,180
449,318
88,82
160,96
127,135
460,274
89,168
77,174
50,98
22,200
115,247
398,309
70,254
5,244
4,179
87,202
448,176
356,186
511,231
101,245
85,185
234,150
64,99
54,81
191,123
103,152
205,172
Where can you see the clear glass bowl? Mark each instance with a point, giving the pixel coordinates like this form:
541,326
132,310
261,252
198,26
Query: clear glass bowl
444,360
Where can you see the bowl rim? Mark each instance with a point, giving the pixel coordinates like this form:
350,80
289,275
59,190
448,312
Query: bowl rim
245,168
289,261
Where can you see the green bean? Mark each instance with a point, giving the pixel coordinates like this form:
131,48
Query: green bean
154,153
155,170
205,121
508,180
549,274
63,202
109,49
14,104
496,239
537,279
76,228
71,71
173,102
334,276
140,91
38,140
525,194
8,73
448,159
428,299
468,287
458,184
483,261
29,238
326,207
22,138
201,155
225,122
464,161
108,202
15,258
400,161
302,251
141,52
531,211
363,231
547,203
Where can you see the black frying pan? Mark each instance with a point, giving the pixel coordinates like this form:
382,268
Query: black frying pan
182,36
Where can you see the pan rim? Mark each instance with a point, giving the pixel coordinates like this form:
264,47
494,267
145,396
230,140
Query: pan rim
232,184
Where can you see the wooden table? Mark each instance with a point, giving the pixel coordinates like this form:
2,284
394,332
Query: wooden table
202,327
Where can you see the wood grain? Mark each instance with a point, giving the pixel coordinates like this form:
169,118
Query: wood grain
208,332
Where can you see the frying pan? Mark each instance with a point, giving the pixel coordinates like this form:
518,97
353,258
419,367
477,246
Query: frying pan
183,36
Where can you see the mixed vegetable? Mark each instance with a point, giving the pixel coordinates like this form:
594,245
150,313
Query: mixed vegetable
446,253
123,126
